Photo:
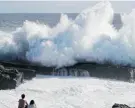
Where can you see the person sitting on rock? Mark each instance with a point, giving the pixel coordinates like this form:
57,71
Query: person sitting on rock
32,104
22,103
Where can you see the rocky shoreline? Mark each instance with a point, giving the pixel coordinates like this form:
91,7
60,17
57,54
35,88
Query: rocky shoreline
13,73
13,76
10,78
116,105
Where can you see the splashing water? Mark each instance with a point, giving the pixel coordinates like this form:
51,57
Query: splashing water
90,37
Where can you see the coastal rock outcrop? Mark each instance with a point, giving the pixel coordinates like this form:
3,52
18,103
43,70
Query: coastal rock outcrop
116,105
10,78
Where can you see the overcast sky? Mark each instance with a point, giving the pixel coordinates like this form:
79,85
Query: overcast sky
58,6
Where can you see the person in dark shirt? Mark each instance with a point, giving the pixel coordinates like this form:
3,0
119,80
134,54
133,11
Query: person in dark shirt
22,103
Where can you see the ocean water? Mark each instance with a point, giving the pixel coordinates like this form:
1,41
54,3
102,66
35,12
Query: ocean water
11,21
70,92
97,34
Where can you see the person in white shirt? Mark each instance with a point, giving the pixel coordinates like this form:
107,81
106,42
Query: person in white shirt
32,104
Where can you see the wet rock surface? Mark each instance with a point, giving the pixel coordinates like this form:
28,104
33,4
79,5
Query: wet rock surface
10,78
12,74
28,73
116,105
70,72
103,71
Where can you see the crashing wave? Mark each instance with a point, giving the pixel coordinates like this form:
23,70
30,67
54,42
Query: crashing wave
90,37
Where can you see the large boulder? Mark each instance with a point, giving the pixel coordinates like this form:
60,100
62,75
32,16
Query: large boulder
10,78
116,105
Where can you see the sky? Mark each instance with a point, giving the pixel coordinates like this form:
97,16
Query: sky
59,6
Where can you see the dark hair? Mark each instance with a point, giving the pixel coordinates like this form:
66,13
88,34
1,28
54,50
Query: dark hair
32,102
23,96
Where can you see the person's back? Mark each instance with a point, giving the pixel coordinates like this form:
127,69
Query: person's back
22,102
32,104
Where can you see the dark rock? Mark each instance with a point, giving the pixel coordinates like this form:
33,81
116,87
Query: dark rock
105,70
6,82
13,73
2,68
28,73
116,105
70,72
10,78
28,70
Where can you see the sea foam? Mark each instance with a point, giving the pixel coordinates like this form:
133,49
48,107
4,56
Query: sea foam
90,37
